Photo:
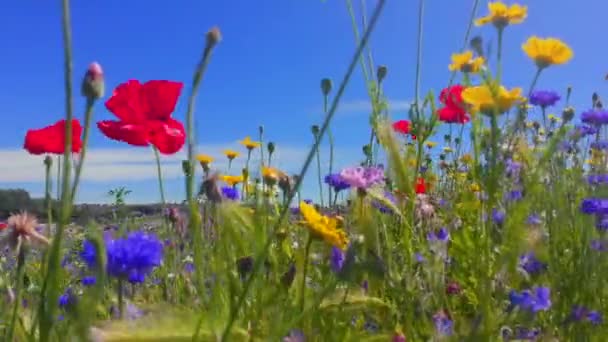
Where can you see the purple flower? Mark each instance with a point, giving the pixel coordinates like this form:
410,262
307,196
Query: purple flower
581,313
595,317
534,219
597,179
599,245
512,168
189,267
336,182
337,259
295,335
515,195
531,264
599,145
595,117
68,298
534,300
362,177
230,193
443,324
442,235
522,333
419,257
544,98
601,222
88,281
381,206
498,216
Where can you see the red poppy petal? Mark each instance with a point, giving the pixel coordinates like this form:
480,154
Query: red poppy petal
127,102
401,126
51,139
34,142
168,136
132,134
161,98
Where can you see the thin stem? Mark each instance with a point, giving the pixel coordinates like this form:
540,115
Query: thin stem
304,272
18,286
48,201
88,117
319,176
159,174
418,58
52,297
121,304
331,150
330,114
58,196
499,56
466,35
261,147
534,81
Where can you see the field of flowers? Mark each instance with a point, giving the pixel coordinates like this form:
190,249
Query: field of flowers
498,236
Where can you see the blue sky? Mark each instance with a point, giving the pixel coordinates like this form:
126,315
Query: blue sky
266,71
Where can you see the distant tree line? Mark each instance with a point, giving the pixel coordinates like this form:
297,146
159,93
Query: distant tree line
15,200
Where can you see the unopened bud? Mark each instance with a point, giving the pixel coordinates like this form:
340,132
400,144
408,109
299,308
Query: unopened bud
186,167
381,72
93,86
536,125
214,36
477,45
315,130
367,150
326,86
270,147
48,161
261,129
568,114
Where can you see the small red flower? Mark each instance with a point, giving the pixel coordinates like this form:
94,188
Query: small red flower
454,110
453,288
420,186
3,226
402,126
144,113
51,139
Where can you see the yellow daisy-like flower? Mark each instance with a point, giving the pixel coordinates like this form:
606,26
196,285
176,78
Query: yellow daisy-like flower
475,187
323,227
465,62
231,180
250,144
447,149
530,124
553,118
502,15
231,154
541,132
430,144
547,51
466,158
481,99
271,174
204,158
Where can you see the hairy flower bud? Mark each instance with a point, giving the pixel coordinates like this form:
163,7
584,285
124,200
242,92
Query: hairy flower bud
270,147
326,86
93,86
477,45
315,130
381,73
48,161
214,36
568,114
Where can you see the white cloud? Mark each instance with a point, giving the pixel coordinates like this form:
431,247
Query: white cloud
365,106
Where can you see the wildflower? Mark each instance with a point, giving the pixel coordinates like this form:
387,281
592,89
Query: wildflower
441,235
595,117
271,175
594,206
464,62
231,154
336,182
597,179
230,193
443,324
454,108
420,186
382,207
323,227
534,300
529,263
3,226
500,15
599,145
402,126
498,216
22,229
67,299
534,219
481,99
92,84
88,281
295,335
144,113
51,139
430,144
544,98
250,144
474,187
423,208
453,288
398,337
595,317
337,259
599,245
362,177
547,51
131,258
231,180
514,195
580,313
204,160
419,257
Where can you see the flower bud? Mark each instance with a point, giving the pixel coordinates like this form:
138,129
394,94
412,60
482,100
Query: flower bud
93,84
186,167
381,73
315,130
270,147
398,337
214,36
48,161
568,114
261,129
477,45
326,86
367,150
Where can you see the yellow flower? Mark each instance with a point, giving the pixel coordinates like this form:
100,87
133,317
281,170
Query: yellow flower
466,158
481,99
554,118
250,144
541,132
447,149
475,187
323,227
430,144
231,180
530,124
547,51
231,154
271,174
502,15
204,159
465,62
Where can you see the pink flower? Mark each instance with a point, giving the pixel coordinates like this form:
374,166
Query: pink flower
363,177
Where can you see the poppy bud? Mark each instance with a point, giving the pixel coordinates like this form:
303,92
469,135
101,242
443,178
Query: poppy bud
453,288
457,141
568,114
48,161
367,150
536,125
271,147
288,277
381,73
315,130
92,84
261,129
214,36
447,137
594,98
326,86
477,45
186,167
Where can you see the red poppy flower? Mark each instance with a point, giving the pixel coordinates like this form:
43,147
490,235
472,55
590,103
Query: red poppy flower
144,113
3,226
454,110
420,186
51,139
402,126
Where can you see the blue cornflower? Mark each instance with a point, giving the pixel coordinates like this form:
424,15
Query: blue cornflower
131,258
498,216
601,222
337,259
88,281
189,267
581,313
597,179
515,195
337,182
442,235
295,335
595,117
419,257
230,193
443,324
381,206
531,264
512,168
534,300
595,317
534,219
522,333
544,98
590,205
68,298
599,245
599,145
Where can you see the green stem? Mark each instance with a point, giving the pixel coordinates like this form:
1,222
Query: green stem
466,35
304,272
499,56
159,174
48,201
261,148
88,117
418,59
121,303
330,114
58,178
319,176
331,151
18,286
52,296
534,81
